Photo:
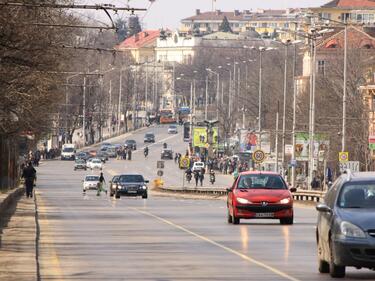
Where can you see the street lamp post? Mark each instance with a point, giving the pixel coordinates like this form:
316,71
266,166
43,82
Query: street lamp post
217,90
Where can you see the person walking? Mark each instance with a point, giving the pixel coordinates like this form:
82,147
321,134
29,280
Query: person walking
101,185
29,174
201,176
196,177
129,154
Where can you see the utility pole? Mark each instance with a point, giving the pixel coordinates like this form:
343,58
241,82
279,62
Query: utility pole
119,104
191,110
146,89
110,107
206,103
84,111
217,95
284,110
277,140
294,117
343,140
260,101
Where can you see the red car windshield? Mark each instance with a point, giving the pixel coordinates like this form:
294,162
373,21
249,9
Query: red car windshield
259,181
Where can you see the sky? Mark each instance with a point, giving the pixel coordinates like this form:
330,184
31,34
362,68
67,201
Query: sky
168,13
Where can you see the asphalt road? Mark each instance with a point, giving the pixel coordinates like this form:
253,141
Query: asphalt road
85,237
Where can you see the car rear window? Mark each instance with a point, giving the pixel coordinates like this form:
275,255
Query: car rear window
92,178
131,178
357,195
259,181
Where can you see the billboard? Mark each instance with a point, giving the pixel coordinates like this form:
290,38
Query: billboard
321,144
200,136
249,141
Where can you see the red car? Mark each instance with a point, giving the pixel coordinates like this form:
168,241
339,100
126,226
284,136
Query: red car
263,195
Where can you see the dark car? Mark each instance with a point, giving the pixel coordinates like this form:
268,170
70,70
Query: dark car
131,185
345,230
260,195
132,144
82,155
166,154
102,155
149,137
113,185
80,164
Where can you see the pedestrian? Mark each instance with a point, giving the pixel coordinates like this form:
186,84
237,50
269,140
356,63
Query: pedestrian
201,176
29,174
176,157
129,154
101,185
196,177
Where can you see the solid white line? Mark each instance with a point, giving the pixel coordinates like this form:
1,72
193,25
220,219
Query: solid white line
230,250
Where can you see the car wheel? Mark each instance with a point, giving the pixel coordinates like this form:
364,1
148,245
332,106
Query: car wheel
323,266
229,217
235,219
286,221
144,196
336,271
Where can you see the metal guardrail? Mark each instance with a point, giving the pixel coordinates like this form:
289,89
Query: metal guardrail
300,195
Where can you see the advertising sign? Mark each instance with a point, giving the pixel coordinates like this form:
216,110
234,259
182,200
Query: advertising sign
321,143
200,137
249,141
349,165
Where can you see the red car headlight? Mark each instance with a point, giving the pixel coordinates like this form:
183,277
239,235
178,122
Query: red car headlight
285,200
243,200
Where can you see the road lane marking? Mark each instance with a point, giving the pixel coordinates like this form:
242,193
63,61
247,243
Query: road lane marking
230,250
160,141
53,267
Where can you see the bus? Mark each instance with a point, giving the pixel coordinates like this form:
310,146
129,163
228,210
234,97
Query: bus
167,116
186,134
183,114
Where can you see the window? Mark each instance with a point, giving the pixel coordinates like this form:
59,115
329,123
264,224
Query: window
255,181
286,25
264,24
254,24
321,67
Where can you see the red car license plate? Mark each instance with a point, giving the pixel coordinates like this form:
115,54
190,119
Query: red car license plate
264,215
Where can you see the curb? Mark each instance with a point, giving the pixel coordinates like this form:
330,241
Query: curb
9,199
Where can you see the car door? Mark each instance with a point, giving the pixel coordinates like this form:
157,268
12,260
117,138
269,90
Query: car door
325,219
231,196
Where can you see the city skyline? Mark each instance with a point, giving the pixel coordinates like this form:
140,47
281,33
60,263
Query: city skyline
156,18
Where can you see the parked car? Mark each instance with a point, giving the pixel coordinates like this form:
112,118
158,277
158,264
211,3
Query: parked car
111,152
102,155
172,129
132,144
166,153
345,230
106,144
90,182
113,185
131,185
149,137
197,166
80,164
262,195
82,155
95,163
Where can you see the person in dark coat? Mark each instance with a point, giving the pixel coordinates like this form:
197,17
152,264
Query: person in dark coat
29,174
201,176
129,154
196,177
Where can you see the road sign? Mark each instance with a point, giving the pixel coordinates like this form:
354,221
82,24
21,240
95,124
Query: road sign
160,165
259,156
160,173
349,165
343,156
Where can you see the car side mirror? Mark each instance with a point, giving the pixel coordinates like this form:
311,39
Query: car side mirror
293,189
147,181
329,184
323,208
229,189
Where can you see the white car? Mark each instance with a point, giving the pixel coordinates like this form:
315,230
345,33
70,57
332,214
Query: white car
172,129
90,182
197,166
95,163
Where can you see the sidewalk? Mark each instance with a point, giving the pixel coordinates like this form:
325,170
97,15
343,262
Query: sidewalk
17,243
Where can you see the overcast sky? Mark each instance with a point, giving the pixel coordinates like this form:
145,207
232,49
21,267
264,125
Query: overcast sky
168,13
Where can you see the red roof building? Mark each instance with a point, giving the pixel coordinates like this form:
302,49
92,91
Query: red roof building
141,45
